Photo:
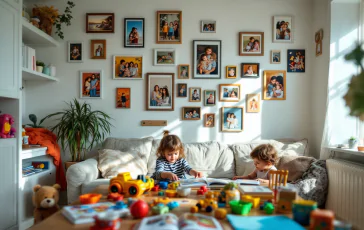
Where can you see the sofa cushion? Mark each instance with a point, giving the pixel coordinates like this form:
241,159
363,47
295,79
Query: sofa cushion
296,165
113,162
153,157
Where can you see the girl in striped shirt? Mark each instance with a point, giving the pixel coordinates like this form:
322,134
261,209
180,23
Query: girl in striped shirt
171,163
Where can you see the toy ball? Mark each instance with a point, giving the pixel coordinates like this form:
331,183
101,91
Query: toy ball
139,209
163,184
172,205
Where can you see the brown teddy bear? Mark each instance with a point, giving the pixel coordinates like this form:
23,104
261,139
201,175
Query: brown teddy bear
45,200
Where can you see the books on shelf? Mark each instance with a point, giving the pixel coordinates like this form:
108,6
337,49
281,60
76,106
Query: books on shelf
214,182
28,57
30,170
255,190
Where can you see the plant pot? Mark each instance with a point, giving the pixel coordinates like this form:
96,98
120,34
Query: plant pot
352,144
39,69
67,164
46,70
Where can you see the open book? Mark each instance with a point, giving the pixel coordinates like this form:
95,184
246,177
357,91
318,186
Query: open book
255,190
188,221
214,182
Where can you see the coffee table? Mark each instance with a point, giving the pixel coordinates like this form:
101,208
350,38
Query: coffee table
58,221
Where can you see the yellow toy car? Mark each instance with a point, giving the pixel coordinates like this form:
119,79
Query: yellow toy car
209,203
124,184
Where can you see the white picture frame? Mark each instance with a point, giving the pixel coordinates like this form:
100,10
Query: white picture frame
282,37
275,57
122,59
208,26
84,75
71,58
163,57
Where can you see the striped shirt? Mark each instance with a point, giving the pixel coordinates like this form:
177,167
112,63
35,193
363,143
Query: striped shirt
180,167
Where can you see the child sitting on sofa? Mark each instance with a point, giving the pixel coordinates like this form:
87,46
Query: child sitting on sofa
171,163
264,157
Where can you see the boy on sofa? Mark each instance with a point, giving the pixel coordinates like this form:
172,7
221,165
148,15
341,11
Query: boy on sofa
264,157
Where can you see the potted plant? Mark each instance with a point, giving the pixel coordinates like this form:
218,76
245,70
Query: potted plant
33,118
352,142
40,66
80,128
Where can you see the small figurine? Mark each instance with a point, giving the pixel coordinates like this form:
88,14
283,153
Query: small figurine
6,131
106,221
35,21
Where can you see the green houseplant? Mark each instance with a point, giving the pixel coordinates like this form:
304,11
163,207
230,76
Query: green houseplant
33,118
79,128
40,66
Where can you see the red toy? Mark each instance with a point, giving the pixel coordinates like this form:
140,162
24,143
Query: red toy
6,131
90,198
155,188
202,190
106,221
322,219
115,197
139,209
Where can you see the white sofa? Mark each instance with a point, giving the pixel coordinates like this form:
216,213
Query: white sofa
214,159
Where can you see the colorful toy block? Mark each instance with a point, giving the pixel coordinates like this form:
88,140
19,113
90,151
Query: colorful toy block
160,209
172,205
269,208
183,191
163,184
160,193
301,211
171,193
220,213
240,207
120,205
155,188
254,200
322,220
285,198
164,200
115,197
174,185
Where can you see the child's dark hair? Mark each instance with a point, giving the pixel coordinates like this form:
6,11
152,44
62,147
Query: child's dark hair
265,152
170,143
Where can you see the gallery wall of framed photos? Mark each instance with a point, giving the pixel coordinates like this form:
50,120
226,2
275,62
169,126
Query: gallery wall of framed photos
208,65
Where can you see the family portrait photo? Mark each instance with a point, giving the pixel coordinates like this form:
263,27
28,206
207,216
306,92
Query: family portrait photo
191,113
274,85
160,91
165,57
318,40
134,32
209,120
253,103
232,119
207,59
296,61
231,71
208,26
249,70
127,67
169,27
90,84
251,43
100,23
282,29
98,49
195,94
123,98
229,92
210,97
275,57
181,90
75,51
184,71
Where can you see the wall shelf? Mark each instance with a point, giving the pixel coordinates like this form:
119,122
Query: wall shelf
36,37
31,75
33,152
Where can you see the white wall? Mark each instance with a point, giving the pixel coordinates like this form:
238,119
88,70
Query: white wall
278,119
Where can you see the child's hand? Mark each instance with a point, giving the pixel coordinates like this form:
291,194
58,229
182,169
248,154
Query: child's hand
236,177
263,181
198,174
172,176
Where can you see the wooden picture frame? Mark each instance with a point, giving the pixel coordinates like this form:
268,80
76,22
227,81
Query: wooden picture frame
195,94
251,44
123,98
189,113
253,103
100,22
282,29
232,119
296,61
120,62
165,57
229,92
208,26
231,71
271,79
98,49
162,32
275,57
212,50
75,51
134,33
209,120
155,101
183,71
181,90
209,97
250,70
91,83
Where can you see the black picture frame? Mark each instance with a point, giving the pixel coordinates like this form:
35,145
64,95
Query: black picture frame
127,29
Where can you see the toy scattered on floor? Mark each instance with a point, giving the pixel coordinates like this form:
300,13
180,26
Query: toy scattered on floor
90,198
269,208
173,185
124,184
115,197
155,188
302,209
322,220
183,191
220,213
254,200
45,200
163,184
6,131
171,193
240,207
202,190
172,205
106,221
160,209
139,209
285,198
120,205
160,193
209,203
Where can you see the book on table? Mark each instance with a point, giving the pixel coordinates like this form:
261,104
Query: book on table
188,221
214,182
255,190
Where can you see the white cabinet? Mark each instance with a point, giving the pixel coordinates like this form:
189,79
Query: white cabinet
10,50
8,183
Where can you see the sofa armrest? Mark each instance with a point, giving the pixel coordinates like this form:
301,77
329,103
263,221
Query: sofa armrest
77,174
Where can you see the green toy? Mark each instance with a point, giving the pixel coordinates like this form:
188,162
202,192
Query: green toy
269,208
240,207
160,193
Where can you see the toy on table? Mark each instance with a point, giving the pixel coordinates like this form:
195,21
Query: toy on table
139,209
120,205
231,195
173,185
155,188
106,221
240,207
302,209
269,208
115,197
202,190
322,220
220,213
171,193
285,198
124,184
164,200
160,193
45,200
6,131
172,205
254,200
277,178
90,198
160,209
163,184
209,203
183,191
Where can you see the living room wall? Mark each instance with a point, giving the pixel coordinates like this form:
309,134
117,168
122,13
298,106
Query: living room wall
290,118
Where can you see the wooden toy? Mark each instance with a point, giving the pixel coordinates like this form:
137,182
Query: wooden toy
220,213
302,209
194,209
160,209
174,185
160,193
269,208
254,200
240,207
322,220
163,184
124,184
209,203
171,193
155,188
115,197
172,205
285,198
164,200
106,221
90,198
139,209
277,178
183,191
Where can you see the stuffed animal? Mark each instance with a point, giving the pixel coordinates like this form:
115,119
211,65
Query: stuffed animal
45,201
6,131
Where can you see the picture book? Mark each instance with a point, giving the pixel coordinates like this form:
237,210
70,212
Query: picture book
255,190
263,223
82,214
188,221
214,182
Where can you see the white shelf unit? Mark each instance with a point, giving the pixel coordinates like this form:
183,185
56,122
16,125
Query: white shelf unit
31,75
35,37
33,152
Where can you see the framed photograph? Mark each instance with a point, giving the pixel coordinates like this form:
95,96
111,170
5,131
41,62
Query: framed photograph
134,33
191,113
91,84
231,71
165,57
296,62
100,23
318,40
282,29
184,71
98,49
318,48
210,97
275,57
169,27
75,51
181,90
208,26
128,67
207,59
232,119
209,120
195,94
250,70
160,91
123,98
274,85
251,43
253,103
229,92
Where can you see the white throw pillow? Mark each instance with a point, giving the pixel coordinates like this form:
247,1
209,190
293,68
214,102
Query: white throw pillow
113,162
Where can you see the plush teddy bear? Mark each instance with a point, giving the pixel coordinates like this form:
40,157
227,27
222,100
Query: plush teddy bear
45,200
